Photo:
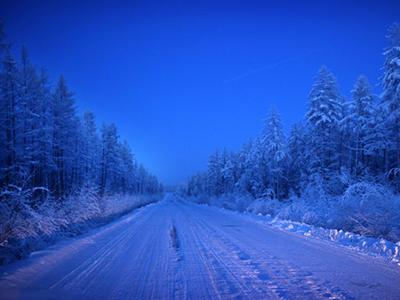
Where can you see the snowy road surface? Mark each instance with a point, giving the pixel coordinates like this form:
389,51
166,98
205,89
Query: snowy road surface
179,250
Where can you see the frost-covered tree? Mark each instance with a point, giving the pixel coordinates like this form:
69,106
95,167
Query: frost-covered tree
42,155
64,132
298,153
257,168
214,175
108,174
357,125
26,115
127,167
227,172
323,116
391,101
196,185
275,154
9,109
244,169
91,149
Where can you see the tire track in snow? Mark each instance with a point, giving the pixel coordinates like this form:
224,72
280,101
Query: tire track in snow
84,275
149,271
222,272
285,280
229,282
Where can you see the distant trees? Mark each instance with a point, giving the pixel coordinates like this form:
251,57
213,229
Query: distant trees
45,143
357,139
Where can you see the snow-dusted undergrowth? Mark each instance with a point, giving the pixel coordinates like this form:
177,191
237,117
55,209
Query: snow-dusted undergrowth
24,228
366,216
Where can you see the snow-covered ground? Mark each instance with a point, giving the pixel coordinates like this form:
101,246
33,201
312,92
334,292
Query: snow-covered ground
179,250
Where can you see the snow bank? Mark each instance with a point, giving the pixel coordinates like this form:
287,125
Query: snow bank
25,228
369,245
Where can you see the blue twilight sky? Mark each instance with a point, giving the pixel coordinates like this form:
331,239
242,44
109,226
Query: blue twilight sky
182,78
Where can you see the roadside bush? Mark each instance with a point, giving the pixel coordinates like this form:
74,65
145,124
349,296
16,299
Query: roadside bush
232,201
265,206
370,209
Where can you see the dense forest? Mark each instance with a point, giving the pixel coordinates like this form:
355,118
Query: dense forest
339,141
48,147
339,168
59,174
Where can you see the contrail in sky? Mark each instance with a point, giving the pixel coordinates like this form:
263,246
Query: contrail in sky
270,66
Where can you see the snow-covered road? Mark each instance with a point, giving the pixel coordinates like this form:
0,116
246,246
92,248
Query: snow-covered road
178,250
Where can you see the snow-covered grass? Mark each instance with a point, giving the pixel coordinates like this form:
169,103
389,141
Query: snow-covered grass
25,227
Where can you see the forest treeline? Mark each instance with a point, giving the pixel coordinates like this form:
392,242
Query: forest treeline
46,146
338,143
60,175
